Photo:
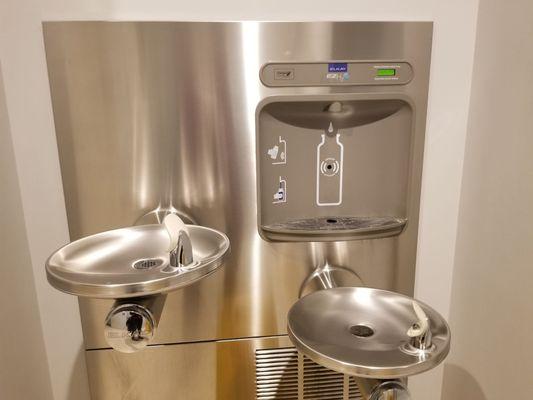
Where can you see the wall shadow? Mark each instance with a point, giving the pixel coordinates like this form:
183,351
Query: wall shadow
459,384
79,384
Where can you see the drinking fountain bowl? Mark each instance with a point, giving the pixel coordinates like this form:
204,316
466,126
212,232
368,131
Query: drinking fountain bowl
135,261
368,333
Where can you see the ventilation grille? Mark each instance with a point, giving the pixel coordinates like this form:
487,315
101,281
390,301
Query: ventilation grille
284,374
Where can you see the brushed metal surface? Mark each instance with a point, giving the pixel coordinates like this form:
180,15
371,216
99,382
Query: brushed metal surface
262,368
106,265
157,114
177,372
161,115
364,332
195,371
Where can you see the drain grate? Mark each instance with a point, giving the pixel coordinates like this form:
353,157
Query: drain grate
333,223
363,331
148,263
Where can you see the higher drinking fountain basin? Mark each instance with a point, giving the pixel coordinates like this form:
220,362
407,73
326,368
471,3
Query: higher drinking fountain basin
133,262
134,266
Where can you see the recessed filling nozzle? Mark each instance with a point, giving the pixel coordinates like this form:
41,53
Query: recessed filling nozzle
334,107
331,129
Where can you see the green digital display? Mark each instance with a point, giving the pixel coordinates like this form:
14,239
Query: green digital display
386,72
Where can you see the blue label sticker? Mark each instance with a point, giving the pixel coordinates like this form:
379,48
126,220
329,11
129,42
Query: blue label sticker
338,67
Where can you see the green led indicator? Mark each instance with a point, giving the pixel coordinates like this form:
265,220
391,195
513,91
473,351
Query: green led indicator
386,72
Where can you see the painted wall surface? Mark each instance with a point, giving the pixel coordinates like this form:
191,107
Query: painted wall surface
43,217
22,352
34,142
492,301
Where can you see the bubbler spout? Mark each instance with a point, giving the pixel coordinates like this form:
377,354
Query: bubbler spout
181,255
420,331
180,243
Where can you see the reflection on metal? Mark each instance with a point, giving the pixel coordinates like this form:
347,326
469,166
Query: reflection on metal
329,276
391,390
158,215
180,248
129,327
131,324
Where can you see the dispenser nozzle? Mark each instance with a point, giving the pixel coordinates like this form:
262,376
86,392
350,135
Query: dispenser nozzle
335,107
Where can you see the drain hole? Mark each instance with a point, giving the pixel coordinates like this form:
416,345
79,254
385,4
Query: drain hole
361,331
148,263
331,221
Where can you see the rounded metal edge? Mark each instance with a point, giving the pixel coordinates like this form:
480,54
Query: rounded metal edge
366,372
398,223
314,278
125,291
330,236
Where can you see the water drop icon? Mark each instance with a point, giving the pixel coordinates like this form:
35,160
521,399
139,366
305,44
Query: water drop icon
330,129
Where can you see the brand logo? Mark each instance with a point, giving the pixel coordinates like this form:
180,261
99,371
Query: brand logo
338,67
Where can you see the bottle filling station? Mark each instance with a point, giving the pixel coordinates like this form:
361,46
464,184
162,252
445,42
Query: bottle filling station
243,203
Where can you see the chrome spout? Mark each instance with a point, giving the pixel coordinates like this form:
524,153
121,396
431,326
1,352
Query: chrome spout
181,255
423,341
180,248
420,331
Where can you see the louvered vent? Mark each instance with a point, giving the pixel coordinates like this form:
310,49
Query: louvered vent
276,374
284,374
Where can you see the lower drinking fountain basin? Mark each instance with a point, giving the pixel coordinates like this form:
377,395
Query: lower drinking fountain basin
363,332
133,262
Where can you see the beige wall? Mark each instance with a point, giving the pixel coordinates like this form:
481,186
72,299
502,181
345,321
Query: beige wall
492,296
23,364
40,215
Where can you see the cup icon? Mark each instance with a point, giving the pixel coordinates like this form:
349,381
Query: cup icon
273,152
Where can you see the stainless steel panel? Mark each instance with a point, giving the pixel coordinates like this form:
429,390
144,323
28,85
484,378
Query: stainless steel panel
154,115
262,368
204,371
178,372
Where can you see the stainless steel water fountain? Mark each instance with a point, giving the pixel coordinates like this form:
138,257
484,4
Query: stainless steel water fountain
303,143
138,264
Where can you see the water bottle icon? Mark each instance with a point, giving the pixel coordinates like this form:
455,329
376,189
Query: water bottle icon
329,166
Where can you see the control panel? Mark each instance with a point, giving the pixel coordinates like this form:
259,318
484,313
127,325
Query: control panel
336,73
